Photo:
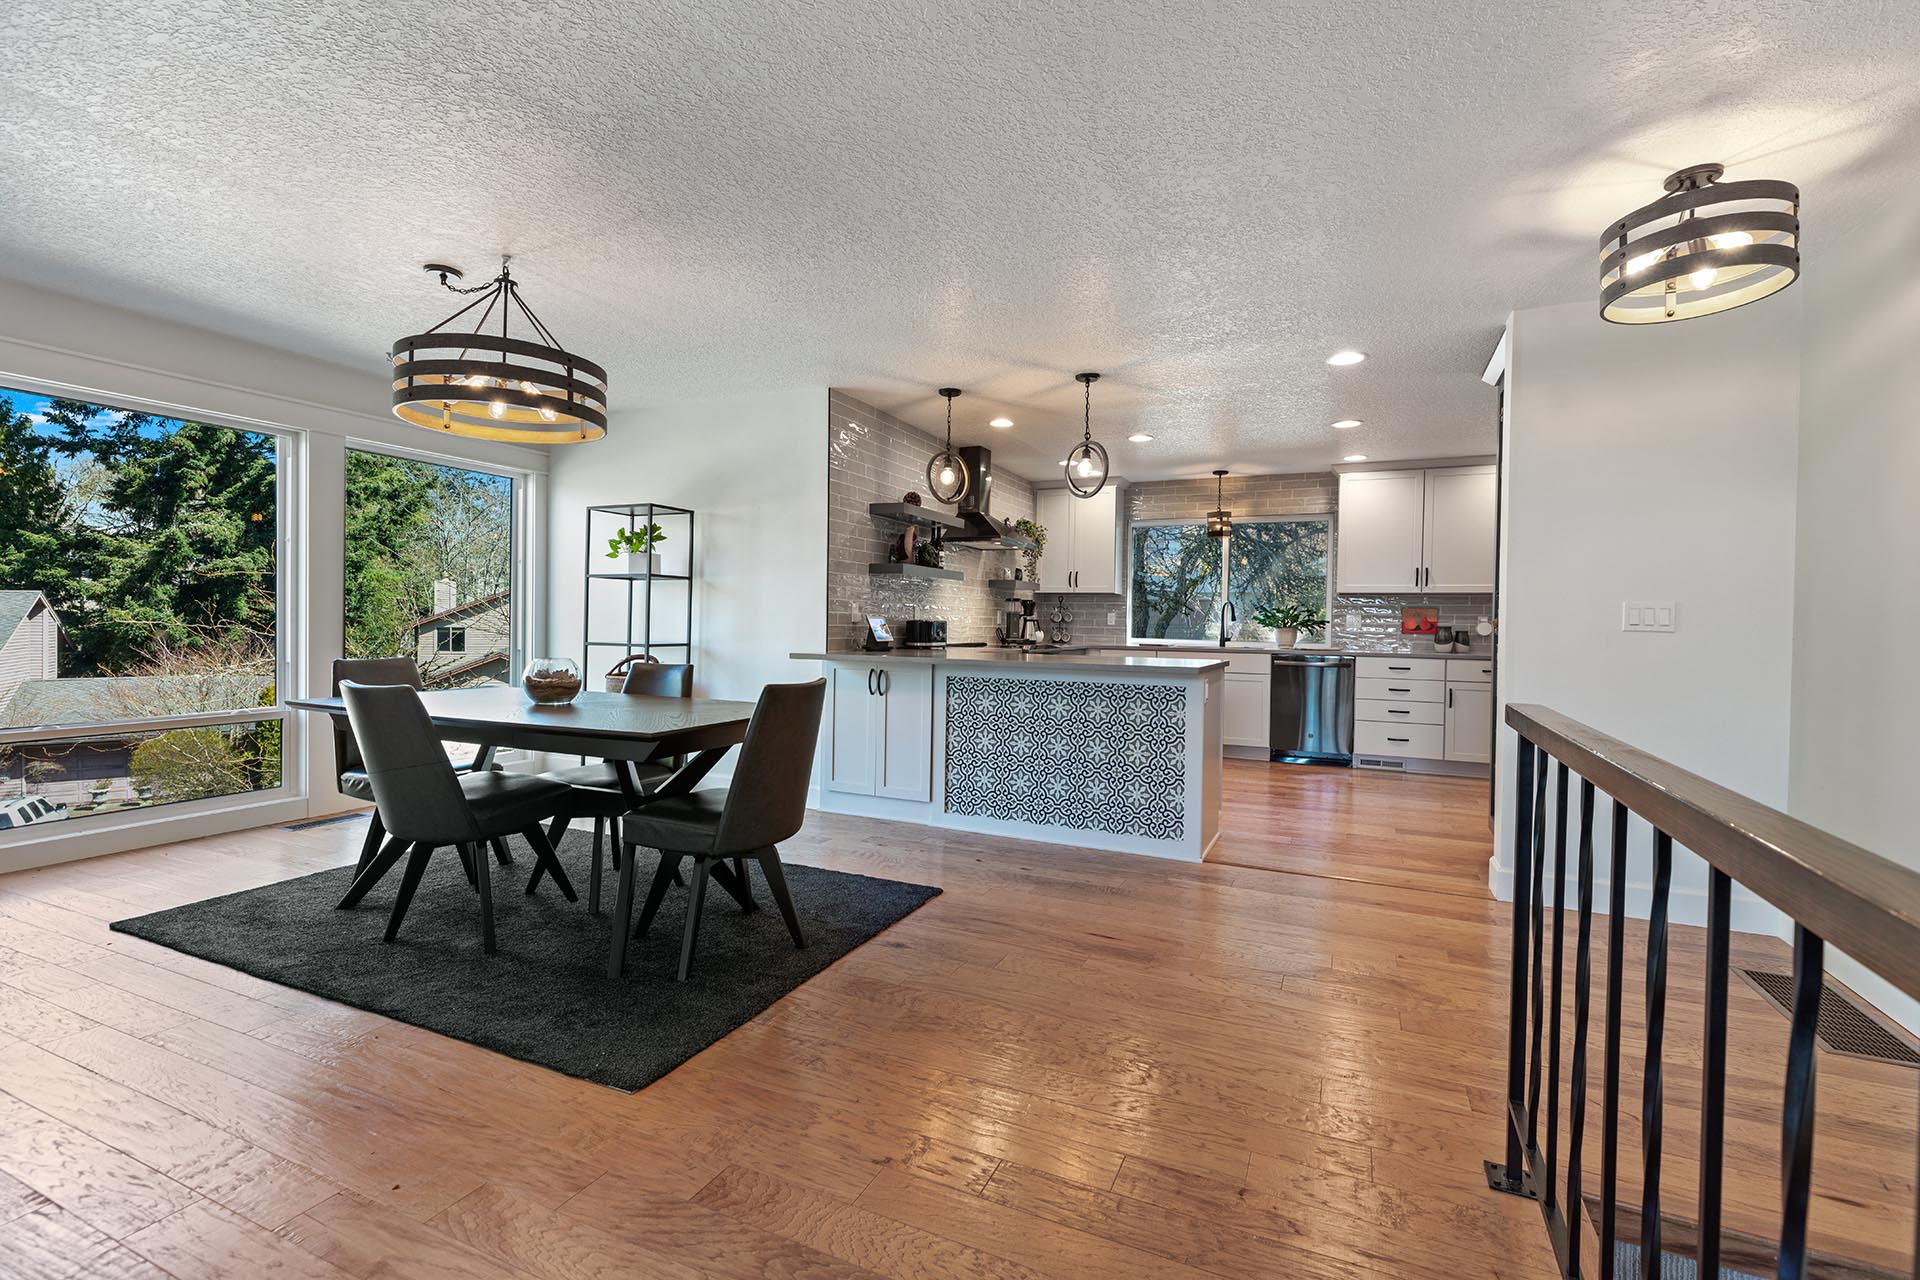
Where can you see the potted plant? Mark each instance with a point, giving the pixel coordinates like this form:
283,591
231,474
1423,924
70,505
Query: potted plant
1036,533
1287,621
637,545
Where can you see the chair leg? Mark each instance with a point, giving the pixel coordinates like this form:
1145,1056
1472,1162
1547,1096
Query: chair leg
622,914
669,869
746,886
369,877
416,866
370,848
502,854
466,865
769,859
484,872
593,881
545,861
696,898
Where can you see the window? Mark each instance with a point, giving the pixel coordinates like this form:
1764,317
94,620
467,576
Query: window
1181,576
139,607
427,544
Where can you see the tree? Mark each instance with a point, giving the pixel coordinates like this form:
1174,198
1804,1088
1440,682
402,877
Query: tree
33,511
389,505
190,764
1176,581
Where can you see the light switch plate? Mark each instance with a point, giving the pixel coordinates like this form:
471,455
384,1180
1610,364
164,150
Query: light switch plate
1648,615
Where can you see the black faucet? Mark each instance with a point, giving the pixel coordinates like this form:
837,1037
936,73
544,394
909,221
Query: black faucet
1227,614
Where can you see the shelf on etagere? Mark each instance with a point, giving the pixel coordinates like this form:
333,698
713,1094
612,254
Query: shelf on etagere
916,572
913,513
643,577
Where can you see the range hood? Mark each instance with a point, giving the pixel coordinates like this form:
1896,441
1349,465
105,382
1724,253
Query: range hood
983,530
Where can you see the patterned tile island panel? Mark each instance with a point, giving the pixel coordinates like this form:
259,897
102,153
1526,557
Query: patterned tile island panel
1094,756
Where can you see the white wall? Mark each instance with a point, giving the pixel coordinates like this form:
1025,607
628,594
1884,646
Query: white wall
754,469
1856,682
1653,463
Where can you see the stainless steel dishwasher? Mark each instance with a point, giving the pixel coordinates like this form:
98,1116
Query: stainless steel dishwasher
1312,709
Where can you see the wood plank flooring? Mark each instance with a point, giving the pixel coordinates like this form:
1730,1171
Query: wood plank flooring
1069,1065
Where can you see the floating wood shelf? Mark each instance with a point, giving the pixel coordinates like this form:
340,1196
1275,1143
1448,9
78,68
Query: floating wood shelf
910,513
1008,587
917,572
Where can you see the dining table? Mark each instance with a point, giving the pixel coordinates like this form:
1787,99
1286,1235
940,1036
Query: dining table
625,729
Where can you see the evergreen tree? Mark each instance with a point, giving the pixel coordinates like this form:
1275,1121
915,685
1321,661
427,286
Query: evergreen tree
34,553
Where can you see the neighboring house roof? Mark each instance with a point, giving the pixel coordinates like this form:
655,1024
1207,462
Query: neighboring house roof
467,608
86,699
16,606
467,666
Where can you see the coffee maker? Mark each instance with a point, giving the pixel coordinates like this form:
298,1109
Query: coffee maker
1017,623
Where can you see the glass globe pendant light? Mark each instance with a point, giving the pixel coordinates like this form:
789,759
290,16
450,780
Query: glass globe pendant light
486,384
1220,522
946,474
1086,466
1704,247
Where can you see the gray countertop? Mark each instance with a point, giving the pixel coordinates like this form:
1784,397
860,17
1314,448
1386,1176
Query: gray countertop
1428,652
1141,665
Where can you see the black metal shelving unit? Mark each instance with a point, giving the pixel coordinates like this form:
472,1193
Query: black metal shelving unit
638,608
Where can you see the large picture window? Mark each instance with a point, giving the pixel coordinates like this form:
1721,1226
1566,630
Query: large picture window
1181,577
139,608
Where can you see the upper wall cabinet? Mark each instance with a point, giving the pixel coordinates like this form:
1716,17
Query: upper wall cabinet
1416,531
1084,539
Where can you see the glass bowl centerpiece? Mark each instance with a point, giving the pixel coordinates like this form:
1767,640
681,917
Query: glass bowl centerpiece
551,682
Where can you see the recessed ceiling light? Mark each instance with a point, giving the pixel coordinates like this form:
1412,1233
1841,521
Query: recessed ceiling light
1140,437
1355,457
1344,423
1346,357
1001,422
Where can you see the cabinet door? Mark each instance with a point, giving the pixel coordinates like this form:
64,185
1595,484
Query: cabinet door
1096,541
1244,718
1469,722
854,713
1380,531
1461,506
1053,511
905,758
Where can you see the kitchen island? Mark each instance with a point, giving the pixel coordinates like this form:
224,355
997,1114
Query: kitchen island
1100,751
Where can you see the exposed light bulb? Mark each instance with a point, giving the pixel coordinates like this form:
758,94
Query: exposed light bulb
1636,265
1086,466
946,475
1730,240
1703,278
479,380
498,408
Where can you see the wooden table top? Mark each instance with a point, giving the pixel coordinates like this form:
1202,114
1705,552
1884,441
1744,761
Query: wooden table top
502,714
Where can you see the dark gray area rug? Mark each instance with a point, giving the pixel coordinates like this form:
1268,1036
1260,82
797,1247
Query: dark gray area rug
544,996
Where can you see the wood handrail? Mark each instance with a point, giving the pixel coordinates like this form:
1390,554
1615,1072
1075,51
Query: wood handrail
1860,902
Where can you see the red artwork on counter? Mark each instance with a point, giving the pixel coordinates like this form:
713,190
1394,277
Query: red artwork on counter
1418,620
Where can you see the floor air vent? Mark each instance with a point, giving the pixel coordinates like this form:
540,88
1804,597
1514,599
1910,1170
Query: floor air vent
1844,1026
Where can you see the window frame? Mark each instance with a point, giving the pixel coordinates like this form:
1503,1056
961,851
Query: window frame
1226,561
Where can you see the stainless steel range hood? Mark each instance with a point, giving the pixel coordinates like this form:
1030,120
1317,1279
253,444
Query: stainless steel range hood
983,529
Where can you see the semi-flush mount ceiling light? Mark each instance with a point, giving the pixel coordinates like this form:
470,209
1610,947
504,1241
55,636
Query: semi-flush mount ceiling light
1704,247
1086,465
1345,423
488,385
1344,358
1220,523
946,473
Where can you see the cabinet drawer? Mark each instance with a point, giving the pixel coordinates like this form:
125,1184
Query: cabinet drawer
1400,689
1470,670
1400,712
1417,741
1401,670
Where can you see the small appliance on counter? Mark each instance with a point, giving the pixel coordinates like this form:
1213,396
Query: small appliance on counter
923,633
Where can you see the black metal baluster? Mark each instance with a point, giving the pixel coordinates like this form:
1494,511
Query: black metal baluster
1539,943
1610,1088
1713,1079
1796,1128
1582,979
1550,1183
1510,1178
1656,1029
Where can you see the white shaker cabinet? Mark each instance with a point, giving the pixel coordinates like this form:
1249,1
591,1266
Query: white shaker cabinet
1084,551
1417,531
880,733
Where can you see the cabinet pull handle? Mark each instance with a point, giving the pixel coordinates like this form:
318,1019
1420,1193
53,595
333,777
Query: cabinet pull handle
886,682
871,673
1449,699
1395,711
1399,668
1391,689
1391,738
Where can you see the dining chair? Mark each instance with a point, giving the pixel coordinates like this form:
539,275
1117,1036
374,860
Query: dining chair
765,804
596,789
426,805
346,752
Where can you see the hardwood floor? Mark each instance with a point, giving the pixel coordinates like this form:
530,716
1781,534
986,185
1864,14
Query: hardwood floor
1070,1064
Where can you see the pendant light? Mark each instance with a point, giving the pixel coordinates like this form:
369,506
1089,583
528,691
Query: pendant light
1220,522
946,473
1086,466
486,384
1704,247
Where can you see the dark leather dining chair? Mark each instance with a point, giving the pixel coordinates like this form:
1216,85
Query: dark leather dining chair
346,752
596,790
766,803
427,806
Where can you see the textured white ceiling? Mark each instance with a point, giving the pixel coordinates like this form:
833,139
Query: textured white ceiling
1201,201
